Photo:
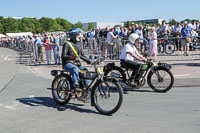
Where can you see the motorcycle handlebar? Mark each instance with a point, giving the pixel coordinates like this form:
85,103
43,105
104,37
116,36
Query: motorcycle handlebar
97,61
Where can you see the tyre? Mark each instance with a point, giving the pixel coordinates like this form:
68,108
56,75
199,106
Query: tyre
117,70
170,48
162,84
107,96
61,86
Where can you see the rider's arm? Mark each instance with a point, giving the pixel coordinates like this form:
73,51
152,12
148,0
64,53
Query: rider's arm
142,58
134,55
83,57
65,49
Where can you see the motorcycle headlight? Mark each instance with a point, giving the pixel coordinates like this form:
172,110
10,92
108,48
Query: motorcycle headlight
100,70
54,72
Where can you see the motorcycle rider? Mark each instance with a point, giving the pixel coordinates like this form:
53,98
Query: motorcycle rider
130,57
71,53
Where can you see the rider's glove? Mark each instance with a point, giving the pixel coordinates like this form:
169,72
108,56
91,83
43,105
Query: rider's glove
72,57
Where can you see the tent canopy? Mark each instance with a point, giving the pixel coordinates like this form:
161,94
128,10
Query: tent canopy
19,34
2,35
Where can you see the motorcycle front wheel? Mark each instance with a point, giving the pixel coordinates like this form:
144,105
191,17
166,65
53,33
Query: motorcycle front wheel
161,81
107,96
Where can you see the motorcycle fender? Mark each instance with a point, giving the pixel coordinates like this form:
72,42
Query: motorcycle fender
163,67
109,66
66,75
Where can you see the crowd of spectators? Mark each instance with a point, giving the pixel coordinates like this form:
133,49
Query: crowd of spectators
103,41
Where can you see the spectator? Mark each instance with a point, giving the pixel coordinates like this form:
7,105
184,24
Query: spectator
140,45
186,38
163,31
123,36
153,44
35,49
92,41
110,37
40,46
194,34
56,50
177,33
48,49
133,28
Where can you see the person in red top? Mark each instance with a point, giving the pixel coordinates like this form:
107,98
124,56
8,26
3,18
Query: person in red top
48,49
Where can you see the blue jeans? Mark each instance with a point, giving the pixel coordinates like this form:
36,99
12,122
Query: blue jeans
56,54
74,71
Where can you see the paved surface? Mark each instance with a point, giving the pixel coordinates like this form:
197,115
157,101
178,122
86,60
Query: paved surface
26,106
185,68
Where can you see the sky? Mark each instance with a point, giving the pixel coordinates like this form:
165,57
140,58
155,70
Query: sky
102,10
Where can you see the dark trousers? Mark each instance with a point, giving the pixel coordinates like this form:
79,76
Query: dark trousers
131,65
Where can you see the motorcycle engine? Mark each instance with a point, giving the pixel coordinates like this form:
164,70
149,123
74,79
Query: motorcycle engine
138,83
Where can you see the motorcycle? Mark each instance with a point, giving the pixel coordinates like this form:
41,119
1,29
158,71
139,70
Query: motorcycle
105,93
164,45
195,45
158,74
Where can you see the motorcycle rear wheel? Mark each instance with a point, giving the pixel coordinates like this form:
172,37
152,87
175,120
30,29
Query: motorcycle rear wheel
61,87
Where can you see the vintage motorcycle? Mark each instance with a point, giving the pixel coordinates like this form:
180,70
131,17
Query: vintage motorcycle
159,76
105,93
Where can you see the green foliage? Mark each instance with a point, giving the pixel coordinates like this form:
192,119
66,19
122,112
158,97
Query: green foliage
64,24
173,22
10,25
91,26
1,28
78,25
127,24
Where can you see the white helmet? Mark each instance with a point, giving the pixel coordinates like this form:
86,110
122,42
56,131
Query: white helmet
133,37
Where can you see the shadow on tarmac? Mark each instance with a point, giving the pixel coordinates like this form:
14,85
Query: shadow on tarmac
128,89
187,64
49,102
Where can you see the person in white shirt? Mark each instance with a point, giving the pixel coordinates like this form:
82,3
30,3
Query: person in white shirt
164,30
109,42
110,35
153,44
130,57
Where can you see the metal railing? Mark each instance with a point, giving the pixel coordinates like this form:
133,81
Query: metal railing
112,50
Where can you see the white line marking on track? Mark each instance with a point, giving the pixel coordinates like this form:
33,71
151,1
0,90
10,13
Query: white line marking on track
6,58
11,107
182,75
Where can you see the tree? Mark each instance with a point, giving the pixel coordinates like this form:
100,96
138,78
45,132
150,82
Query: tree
64,24
188,20
78,25
49,25
10,25
91,26
1,28
173,22
1,25
27,25
127,24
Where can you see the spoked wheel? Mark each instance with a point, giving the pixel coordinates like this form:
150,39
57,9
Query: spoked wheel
161,81
121,77
61,87
170,48
107,96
